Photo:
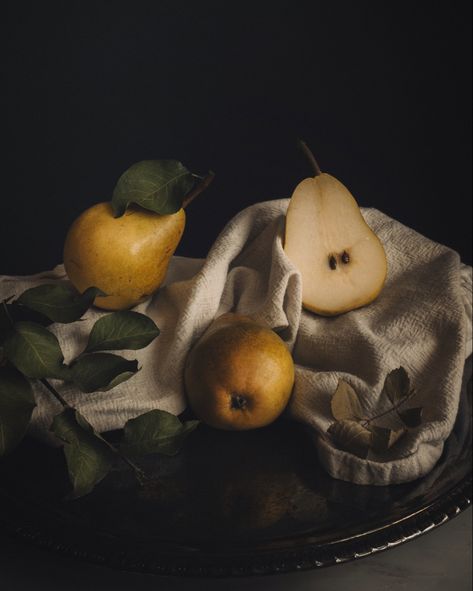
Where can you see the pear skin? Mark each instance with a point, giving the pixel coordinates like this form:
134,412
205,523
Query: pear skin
341,260
239,375
126,257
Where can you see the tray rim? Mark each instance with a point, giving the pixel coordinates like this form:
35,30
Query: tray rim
308,556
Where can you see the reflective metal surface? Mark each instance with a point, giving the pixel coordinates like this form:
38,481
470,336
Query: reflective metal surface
230,504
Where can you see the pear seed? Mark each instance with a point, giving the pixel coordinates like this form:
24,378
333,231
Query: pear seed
345,257
332,261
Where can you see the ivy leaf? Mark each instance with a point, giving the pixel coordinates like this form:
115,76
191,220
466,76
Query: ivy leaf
34,351
397,385
411,417
88,457
383,439
351,436
156,185
122,330
101,371
16,407
345,403
58,301
156,431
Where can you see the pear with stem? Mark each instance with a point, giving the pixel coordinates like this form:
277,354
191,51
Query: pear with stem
341,260
126,257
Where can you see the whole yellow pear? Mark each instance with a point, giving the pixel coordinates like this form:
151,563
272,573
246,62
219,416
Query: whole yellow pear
239,375
126,257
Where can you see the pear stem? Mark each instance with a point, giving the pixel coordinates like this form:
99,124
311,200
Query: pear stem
204,183
310,157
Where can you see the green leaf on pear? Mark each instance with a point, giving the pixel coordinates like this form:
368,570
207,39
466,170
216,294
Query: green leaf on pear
59,302
397,385
157,185
156,431
88,456
34,351
101,371
345,403
122,330
351,436
16,407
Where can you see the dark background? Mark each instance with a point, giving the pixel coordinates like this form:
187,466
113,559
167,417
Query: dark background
380,90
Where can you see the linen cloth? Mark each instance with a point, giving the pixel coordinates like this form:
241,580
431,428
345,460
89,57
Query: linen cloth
421,321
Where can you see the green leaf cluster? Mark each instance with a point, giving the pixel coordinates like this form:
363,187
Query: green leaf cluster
30,351
364,436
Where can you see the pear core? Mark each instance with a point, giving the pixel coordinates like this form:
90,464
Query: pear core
341,260
239,375
126,257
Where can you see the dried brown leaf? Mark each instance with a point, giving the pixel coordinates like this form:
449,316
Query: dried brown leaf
397,385
383,439
345,403
351,436
411,417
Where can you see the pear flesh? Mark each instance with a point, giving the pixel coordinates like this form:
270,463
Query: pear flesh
341,260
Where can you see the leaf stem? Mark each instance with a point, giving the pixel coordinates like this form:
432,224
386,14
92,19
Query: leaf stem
205,182
7,312
394,407
55,393
139,473
310,156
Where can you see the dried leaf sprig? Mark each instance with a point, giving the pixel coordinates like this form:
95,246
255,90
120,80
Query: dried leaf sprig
363,436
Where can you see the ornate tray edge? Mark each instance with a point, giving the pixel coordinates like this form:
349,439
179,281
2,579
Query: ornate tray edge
307,557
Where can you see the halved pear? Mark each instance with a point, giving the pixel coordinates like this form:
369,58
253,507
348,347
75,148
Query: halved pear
341,260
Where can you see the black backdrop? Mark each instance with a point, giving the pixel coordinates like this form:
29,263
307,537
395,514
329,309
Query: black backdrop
380,90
